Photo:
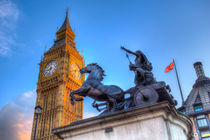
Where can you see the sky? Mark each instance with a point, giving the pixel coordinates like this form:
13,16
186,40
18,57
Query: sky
163,30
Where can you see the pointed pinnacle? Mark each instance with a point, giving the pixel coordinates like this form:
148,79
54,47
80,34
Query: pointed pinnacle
67,11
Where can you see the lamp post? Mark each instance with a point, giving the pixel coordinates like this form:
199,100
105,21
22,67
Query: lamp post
37,112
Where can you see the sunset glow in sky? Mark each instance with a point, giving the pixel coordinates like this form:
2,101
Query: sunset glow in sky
164,30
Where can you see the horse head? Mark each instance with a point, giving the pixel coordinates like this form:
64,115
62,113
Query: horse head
94,70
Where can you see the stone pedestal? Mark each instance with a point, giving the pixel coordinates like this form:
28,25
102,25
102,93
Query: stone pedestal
155,122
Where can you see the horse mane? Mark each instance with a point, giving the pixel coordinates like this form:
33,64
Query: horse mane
99,67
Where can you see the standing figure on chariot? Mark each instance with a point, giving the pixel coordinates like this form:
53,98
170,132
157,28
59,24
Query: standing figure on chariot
142,68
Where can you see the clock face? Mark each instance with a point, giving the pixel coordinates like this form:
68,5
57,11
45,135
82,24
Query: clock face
74,69
50,68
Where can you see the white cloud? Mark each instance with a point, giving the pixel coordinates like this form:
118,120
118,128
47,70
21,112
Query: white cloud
16,117
9,15
89,114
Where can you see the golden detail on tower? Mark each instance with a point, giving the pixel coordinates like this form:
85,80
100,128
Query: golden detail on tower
58,76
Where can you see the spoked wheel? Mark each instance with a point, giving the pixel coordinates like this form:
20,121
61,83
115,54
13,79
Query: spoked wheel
145,96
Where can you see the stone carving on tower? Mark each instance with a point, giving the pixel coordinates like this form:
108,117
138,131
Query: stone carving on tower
58,76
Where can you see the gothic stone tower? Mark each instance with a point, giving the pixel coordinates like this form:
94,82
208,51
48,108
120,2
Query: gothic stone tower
58,76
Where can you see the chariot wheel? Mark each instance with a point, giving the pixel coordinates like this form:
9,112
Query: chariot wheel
145,96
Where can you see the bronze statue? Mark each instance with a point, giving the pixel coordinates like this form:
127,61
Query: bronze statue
93,88
146,92
142,68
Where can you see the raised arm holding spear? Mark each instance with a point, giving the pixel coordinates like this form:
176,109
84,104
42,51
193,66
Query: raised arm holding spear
142,67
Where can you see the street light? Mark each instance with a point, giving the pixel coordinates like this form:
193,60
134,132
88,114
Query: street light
37,112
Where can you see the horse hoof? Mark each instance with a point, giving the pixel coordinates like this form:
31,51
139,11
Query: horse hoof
72,102
79,99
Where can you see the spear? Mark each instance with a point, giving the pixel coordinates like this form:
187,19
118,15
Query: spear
128,58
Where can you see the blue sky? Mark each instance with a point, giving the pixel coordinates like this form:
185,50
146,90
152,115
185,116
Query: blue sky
163,30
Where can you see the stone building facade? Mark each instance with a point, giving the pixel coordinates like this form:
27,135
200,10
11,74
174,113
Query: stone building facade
58,76
197,105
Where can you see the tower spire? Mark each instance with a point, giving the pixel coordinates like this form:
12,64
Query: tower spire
67,11
66,24
65,30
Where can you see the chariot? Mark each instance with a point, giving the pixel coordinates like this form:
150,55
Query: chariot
142,96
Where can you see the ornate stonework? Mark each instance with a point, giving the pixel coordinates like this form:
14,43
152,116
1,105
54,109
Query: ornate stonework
55,82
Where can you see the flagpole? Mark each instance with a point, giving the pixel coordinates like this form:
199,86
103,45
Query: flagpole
179,83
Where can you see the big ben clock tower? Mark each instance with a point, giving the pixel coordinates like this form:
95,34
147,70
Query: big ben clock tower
58,76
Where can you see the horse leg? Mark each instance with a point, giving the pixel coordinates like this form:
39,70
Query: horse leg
93,104
98,105
78,99
114,104
78,92
72,97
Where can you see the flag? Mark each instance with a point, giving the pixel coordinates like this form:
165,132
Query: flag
170,67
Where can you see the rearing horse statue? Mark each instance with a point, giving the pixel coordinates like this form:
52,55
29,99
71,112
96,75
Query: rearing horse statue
93,88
